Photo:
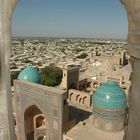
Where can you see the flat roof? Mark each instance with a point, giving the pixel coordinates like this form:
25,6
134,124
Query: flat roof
86,131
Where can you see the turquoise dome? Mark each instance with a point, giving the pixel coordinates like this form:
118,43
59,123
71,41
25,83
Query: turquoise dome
30,74
110,96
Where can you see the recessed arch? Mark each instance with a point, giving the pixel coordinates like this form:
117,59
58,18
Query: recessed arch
33,103
77,97
39,120
80,100
70,96
84,100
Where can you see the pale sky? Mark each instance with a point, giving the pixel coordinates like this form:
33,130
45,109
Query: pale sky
70,18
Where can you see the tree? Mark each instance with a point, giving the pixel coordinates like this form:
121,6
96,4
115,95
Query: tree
51,76
77,50
82,56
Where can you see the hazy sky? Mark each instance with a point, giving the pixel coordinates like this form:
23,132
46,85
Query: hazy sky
70,18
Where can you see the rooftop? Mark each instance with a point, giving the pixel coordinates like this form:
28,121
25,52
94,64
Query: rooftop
86,131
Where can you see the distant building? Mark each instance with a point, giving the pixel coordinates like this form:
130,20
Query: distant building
70,78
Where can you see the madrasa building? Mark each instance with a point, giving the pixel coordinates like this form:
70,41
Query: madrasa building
54,113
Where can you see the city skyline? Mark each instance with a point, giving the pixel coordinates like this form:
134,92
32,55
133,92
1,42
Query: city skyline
82,19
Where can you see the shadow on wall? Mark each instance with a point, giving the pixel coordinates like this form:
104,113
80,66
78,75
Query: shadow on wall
78,114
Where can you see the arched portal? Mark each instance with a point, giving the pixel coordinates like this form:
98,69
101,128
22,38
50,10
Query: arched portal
35,123
39,115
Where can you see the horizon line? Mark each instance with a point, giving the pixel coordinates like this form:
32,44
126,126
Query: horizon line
61,37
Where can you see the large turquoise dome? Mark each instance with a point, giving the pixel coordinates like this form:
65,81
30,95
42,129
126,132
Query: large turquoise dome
30,74
110,96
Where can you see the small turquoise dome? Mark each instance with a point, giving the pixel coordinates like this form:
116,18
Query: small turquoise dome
30,74
110,96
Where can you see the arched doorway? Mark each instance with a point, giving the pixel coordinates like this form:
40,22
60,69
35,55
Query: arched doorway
35,123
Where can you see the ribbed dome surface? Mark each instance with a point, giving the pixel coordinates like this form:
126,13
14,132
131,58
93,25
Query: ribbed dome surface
30,74
110,96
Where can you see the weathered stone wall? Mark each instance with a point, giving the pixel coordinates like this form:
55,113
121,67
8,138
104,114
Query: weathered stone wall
133,11
79,98
6,116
